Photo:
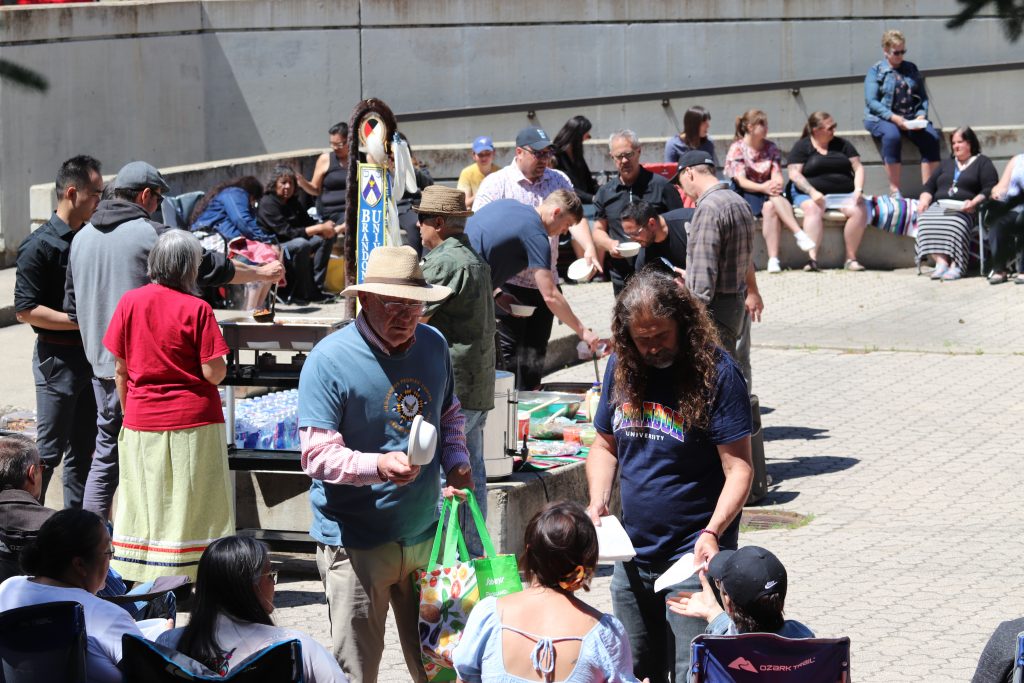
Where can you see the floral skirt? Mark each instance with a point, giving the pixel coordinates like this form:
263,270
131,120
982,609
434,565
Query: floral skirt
174,498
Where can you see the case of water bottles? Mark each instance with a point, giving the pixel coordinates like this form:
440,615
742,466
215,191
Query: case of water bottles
268,422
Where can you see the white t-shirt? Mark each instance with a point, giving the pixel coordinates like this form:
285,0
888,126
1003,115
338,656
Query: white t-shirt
105,622
241,639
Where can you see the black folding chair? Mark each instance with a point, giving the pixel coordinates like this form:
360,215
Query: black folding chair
44,642
143,661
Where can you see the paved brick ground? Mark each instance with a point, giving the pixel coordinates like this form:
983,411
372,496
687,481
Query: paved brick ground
891,405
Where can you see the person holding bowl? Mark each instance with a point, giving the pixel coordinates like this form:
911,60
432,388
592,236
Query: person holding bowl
896,107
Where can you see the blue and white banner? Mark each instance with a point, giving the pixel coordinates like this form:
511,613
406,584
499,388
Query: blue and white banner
372,216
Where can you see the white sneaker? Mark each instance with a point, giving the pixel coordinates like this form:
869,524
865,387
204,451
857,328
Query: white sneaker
773,266
803,241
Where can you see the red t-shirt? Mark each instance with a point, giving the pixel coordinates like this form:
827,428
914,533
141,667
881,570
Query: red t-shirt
164,337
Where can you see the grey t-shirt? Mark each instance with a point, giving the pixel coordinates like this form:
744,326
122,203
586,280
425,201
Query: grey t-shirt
510,237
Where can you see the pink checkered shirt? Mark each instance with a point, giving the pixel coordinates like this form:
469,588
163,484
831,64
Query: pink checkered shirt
326,457
510,183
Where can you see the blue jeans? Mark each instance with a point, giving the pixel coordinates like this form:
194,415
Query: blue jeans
659,638
891,136
475,420
105,472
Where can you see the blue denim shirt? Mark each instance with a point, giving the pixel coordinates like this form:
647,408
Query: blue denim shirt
880,84
230,213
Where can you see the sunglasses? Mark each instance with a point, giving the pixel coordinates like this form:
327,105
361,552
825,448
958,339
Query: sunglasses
540,154
898,53
832,127
625,156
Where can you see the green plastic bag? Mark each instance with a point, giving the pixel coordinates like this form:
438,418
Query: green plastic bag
496,575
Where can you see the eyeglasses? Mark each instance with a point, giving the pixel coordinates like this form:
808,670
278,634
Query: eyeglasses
340,145
272,574
625,156
159,197
634,233
898,53
540,154
407,310
108,553
832,127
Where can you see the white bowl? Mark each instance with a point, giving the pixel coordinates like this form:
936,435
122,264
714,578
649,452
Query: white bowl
629,249
581,270
422,442
522,311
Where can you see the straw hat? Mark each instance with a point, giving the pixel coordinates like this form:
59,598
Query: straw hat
438,200
395,271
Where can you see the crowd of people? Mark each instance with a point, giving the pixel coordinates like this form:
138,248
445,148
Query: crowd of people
128,359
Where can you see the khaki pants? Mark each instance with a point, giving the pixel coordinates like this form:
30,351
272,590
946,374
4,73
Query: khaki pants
358,594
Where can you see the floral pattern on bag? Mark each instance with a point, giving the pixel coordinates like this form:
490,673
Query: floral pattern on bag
447,595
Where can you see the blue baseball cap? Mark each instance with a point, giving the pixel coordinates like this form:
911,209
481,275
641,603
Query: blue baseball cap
483,144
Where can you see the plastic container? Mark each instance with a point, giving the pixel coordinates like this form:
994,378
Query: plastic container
591,401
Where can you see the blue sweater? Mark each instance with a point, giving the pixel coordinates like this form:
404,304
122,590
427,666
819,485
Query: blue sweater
370,398
230,214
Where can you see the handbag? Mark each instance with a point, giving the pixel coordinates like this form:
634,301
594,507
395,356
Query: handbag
448,591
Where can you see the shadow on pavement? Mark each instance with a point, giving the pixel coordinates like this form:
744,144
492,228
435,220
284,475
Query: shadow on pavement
794,433
807,466
297,598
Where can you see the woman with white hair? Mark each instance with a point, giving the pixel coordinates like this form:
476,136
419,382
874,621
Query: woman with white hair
174,492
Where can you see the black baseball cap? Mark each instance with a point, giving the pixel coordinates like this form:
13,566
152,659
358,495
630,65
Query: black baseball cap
748,574
695,157
534,138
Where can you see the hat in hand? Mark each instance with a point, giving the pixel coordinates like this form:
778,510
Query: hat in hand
438,200
396,272
748,574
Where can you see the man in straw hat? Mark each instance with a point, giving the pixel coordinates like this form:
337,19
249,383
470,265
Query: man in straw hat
359,391
466,319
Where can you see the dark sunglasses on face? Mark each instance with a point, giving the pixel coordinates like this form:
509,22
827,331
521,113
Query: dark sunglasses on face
899,53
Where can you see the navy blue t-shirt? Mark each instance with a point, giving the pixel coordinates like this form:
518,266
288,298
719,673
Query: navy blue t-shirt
670,475
510,237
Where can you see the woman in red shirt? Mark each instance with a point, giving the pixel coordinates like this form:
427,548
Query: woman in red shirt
175,494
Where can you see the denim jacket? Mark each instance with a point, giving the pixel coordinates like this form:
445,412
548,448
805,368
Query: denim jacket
880,84
231,215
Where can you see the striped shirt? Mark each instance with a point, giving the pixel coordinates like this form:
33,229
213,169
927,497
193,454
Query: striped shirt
510,183
326,457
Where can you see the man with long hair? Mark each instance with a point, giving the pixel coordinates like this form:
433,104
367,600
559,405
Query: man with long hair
674,421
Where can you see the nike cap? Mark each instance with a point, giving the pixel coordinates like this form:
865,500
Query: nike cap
748,574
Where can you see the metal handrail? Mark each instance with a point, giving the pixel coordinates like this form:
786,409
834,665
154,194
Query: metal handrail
665,96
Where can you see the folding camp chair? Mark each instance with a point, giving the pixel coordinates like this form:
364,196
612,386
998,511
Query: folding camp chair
44,642
143,661
768,658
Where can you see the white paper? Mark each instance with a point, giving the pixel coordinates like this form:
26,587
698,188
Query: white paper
950,205
916,124
838,201
613,545
680,571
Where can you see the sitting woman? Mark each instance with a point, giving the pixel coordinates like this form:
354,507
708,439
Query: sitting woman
896,107
821,164
753,585
230,620
1009,188
228,209
696,122
307,244
175,489
754,166
947,210
545,633
68,561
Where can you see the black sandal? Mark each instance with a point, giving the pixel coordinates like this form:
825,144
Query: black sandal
811,267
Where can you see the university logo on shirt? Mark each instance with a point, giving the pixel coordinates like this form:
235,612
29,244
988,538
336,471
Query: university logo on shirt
651,421
407,398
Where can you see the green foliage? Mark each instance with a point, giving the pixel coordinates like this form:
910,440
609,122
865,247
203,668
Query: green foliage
1010,12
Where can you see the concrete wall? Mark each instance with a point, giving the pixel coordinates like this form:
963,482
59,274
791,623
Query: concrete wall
187,81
